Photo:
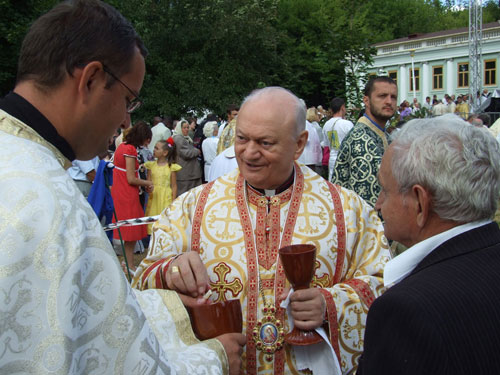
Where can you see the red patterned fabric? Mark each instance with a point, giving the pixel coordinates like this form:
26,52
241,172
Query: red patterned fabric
363,290
200,207
333,325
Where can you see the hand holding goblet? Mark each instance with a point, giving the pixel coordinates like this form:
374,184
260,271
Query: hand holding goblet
298,263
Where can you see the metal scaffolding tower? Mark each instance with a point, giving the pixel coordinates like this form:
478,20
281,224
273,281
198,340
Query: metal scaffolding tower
475,52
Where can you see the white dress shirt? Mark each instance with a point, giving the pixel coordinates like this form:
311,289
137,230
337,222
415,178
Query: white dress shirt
401,266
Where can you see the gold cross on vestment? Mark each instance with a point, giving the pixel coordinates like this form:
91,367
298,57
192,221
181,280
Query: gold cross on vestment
221,285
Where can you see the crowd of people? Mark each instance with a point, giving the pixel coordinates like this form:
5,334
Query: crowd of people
228,197
457,104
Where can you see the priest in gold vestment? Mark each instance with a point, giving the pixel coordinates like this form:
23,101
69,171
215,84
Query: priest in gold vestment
225,236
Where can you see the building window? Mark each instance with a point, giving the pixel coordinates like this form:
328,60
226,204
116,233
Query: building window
417,79
437,77
490,72
394,75
463,75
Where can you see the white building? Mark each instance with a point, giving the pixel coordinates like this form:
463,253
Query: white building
440,60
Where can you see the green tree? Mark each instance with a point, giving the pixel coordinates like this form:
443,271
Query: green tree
17,16
319,40
204,54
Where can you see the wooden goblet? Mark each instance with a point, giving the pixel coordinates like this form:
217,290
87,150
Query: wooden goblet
298,263
212,320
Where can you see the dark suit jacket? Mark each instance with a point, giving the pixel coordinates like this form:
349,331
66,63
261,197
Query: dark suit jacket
444,318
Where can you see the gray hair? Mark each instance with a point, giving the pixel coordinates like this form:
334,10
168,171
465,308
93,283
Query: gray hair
458,163
208,128
300,108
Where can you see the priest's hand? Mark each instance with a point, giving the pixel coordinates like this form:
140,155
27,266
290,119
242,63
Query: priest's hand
187,275
233,344
307,307
193,302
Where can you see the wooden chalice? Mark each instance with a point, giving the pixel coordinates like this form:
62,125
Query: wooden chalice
298,263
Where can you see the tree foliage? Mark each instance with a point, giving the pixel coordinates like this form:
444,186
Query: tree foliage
206,54
17,15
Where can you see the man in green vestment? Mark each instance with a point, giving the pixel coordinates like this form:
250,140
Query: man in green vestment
361,151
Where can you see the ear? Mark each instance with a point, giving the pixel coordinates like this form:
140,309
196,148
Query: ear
422,200
366,100
90,78
301,143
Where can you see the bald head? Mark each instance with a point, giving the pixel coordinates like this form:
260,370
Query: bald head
269,136
288,107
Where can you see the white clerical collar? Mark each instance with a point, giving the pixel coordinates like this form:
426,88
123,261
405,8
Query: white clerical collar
401,266
269,193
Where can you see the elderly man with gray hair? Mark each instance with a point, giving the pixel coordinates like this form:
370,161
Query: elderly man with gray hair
440,181
225,236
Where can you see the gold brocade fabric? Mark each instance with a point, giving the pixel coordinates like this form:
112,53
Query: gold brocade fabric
226,139
223,251
65,305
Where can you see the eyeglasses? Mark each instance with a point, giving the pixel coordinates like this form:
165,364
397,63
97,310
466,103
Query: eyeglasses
133,104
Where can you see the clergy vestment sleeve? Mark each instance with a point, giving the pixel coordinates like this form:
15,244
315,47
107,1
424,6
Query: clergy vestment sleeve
361,278
68,305
224,222
170,237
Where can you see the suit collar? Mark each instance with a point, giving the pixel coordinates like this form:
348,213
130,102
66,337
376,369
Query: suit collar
409,261
479,238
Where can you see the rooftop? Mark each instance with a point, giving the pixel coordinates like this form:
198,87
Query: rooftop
437,34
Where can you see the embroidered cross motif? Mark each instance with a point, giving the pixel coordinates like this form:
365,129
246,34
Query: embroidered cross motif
154,353
358,327
84,295
309,228
323,281
224,234
221,285
8,318
24,230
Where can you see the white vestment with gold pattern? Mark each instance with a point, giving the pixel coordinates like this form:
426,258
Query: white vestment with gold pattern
65,304
237,233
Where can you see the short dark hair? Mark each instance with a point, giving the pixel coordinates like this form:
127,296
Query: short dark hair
72,34
232,107
369,86
138,134
485,118
336,104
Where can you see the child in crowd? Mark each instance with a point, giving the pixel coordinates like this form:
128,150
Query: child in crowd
163,173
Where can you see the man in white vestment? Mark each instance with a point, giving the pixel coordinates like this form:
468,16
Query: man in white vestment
225,236
66,307
223,163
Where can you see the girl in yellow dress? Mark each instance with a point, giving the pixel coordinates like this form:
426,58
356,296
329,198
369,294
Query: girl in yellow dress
163,173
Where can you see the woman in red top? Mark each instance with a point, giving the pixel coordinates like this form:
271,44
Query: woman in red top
125,189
